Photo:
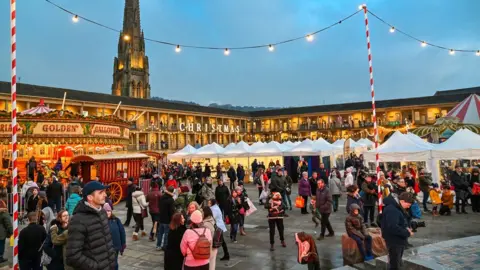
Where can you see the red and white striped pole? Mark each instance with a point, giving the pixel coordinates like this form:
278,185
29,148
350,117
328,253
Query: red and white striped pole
374,113
13,43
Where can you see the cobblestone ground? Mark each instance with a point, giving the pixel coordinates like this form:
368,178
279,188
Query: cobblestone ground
252,251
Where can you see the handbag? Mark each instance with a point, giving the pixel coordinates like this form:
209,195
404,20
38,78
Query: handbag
144,211
45,259
299,202
251,208
227,220
242,211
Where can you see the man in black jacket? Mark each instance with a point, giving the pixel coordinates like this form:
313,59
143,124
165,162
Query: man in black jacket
167,209
221,195
54,195
89,242
232,175
395,228
128,200
459,181
30,242
313,183
323,173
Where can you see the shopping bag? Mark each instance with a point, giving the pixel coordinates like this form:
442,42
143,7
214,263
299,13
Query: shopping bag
227,220
299,202
263,196
252,208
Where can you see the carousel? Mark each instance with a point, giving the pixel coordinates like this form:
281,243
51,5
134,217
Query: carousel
54,137
465,115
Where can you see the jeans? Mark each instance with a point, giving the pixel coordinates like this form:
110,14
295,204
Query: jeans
369,211
225,248
232,186
458,202
242,220
335,201
288,200
284,199
233,231
395,254
162,229
154,217
2,248
426,195
55,204
325,224
116,260
271,224
30,264
360,242
129,216
138,222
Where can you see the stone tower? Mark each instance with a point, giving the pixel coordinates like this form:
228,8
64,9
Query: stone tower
130,68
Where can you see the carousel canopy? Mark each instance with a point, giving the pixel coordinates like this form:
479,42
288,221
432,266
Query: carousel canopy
468,111
400,148
462,144
40,109
241,149
188,150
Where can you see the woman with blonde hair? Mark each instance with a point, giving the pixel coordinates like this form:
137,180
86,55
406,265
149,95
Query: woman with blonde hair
190,209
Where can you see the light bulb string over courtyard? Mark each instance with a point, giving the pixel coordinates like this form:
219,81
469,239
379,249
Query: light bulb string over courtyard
270,46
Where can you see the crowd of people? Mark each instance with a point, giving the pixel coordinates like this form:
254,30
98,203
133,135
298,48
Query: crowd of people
189,220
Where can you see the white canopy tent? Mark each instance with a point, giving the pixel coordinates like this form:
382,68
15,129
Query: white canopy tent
420,141
241,149
305,148
209,151
325,147
230,145
187,151
463,144
400,148
339,142
269,149
366,142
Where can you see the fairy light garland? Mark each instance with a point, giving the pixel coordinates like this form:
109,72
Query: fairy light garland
310,37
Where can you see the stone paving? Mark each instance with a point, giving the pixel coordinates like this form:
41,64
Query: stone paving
252,251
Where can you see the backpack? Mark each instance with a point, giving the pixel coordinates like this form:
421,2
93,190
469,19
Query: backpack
217,237
201,251
257,181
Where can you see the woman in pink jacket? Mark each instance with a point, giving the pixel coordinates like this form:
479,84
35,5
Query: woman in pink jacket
189,241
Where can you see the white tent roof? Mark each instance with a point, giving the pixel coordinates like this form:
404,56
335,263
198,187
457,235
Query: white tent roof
305,148
313,148
257,145
400,148
241,149
230,145
185,152
210,150
366,142
339,142
289,144
327,148
462,144
420,141
269,149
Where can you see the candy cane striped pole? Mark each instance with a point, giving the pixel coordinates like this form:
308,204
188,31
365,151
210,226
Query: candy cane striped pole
375,127
13,42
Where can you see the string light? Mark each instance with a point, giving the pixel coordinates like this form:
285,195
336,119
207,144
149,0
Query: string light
309,37
271,48
178,49
75,18
452,52
126,37
226,52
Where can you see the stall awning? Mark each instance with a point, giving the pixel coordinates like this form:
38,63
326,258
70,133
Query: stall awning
109,156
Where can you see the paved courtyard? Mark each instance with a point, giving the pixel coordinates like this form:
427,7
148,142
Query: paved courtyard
252,251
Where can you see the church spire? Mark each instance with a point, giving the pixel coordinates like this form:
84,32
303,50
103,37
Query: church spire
131,70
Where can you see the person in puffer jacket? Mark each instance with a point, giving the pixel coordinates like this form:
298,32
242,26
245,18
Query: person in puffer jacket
73,200
89,242
117,231
356,230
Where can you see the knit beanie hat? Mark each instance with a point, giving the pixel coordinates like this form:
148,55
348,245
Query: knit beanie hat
107,207
196,217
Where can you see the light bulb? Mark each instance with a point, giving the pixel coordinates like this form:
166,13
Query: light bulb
178,49
226,52
271,48
126,37
452,52
424,44
392,29
477,53
309,38
75,18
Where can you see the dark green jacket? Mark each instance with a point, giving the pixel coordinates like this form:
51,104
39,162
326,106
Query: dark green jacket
6,227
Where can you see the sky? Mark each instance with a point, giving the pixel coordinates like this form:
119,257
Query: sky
53,51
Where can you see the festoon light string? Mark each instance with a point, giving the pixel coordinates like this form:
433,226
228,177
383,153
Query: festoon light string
270,46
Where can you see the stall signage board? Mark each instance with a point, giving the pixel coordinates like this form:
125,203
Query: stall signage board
104,130
6,128
58,129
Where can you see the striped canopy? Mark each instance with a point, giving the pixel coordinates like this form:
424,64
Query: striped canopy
40,109
468,111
